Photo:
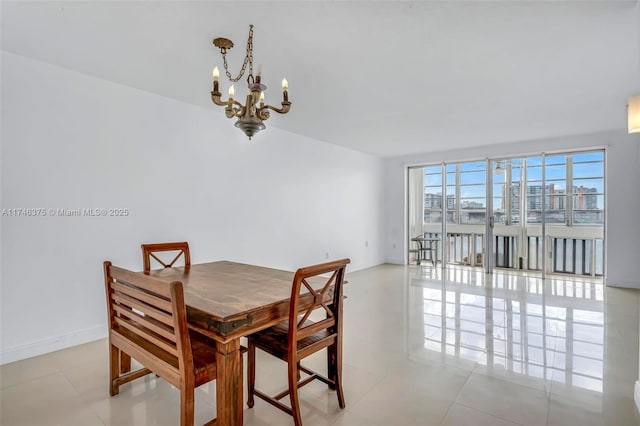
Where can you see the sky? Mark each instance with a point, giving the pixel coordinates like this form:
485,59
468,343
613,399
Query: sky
588,171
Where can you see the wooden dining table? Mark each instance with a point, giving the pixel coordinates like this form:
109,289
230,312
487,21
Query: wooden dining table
226,301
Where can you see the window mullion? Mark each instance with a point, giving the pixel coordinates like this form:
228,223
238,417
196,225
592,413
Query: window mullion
569,191
458,203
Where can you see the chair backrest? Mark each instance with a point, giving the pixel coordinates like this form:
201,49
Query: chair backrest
147,319
149,251
301,307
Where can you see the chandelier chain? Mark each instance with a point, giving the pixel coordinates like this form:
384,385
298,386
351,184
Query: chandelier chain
248,59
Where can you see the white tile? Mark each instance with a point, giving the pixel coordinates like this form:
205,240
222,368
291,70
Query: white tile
389,404
26,370
419,349
461,415
49,400
587,409
513,374
351,419
505,400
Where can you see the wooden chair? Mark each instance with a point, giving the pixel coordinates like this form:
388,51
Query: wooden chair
299,337
149,251
147,321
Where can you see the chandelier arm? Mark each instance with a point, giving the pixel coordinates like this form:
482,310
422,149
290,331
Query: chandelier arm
286,106
216,97
234,109
234,112
263,114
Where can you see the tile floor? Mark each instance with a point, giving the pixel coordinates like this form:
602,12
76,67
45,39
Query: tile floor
420,349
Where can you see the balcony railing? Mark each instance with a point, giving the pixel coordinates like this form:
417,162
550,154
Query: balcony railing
567,255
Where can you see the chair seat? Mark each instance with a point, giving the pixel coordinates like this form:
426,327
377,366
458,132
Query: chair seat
275,340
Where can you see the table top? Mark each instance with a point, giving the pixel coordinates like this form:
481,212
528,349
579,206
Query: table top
226,297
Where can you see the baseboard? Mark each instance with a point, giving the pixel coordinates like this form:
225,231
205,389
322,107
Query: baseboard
636,395
52,344
394,261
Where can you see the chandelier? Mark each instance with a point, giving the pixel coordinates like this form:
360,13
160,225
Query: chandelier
252,114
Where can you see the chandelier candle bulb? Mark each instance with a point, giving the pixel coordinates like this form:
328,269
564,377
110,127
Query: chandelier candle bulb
285,93
216,76
232,92
259,73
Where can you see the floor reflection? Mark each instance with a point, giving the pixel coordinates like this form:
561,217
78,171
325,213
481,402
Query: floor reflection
420,348
550,329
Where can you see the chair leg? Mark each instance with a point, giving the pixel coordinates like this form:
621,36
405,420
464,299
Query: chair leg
125,362
334,368
251,374
331,366
293,392
338,380
114,367
187,404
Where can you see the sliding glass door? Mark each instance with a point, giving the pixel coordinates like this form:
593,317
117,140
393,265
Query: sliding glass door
505,230
466,213
540,213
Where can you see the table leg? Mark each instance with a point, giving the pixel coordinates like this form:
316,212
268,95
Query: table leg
229,384
434,254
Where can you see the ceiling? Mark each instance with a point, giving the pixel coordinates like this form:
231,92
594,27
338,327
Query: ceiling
387,78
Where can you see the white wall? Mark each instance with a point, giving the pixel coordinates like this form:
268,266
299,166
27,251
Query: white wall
622,201
72,141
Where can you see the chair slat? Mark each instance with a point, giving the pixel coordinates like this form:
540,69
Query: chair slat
144,333
165,305
141,281
148,322
149,252
158,314
319,297
308,330
158,361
